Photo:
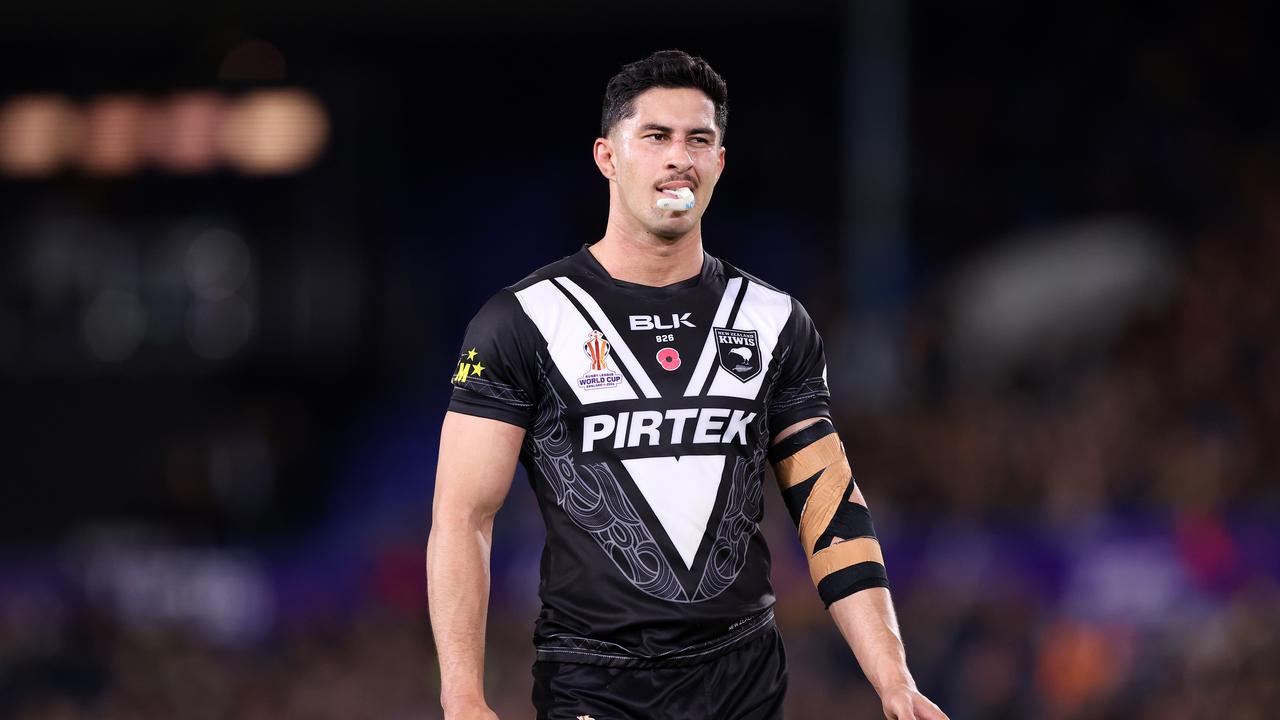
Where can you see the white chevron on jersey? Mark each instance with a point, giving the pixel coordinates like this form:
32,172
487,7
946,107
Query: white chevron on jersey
681,492
765,311
565,331
616,341
709,353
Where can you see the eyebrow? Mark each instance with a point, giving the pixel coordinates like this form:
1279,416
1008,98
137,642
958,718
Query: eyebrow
668,130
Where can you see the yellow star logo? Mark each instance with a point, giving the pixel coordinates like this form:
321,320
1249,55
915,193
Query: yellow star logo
475,369
471,354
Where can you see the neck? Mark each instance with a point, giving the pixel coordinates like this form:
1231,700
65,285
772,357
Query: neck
646,259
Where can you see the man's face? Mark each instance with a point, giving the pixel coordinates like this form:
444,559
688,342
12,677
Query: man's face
671,141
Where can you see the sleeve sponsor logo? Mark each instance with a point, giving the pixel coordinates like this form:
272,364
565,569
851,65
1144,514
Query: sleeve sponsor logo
468,366
739,352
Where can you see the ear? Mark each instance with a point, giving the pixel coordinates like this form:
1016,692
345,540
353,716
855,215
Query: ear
603,150
720,168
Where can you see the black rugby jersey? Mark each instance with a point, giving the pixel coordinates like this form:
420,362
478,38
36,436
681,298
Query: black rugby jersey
648,414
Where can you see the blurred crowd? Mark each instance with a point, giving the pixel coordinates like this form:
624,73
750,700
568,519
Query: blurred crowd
372,664
1086,539
997,657
1178,415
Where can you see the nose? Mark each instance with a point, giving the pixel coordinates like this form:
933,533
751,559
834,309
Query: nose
678,155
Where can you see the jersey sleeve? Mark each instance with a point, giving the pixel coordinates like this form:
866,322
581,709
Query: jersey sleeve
802,382
496,375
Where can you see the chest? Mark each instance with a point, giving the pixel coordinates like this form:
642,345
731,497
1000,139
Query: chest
676,372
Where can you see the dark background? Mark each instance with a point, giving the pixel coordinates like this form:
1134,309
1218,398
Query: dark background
1041,244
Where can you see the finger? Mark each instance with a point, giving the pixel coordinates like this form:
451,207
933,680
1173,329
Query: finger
917,708
928,711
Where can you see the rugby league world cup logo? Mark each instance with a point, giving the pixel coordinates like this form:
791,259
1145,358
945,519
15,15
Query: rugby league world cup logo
598,375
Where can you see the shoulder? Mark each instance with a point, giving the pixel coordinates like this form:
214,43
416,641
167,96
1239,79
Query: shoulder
732,271
765,289
769,294
568,266
798,322
504,306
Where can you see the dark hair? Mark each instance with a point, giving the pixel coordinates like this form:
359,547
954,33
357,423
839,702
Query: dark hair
663,69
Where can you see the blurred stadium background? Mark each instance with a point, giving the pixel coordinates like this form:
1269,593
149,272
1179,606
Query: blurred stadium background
239,245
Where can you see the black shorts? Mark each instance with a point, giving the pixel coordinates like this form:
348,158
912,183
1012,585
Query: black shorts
747,683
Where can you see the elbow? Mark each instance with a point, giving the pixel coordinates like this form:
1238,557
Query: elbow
450,522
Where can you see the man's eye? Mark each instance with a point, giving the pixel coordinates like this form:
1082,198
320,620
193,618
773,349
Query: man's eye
655,136
699,140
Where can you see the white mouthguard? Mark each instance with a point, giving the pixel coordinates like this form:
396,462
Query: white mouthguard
683,200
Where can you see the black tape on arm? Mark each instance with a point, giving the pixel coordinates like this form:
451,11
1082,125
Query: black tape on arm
855,578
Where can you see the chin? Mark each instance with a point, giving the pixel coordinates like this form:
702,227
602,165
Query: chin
673,229
673,225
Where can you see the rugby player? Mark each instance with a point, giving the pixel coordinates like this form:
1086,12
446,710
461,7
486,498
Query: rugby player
645,384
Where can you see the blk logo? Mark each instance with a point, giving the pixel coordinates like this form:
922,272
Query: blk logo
658,322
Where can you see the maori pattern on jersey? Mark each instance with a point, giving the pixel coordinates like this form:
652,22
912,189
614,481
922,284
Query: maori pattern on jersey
508,394
742,510
594,500
802,393
737,524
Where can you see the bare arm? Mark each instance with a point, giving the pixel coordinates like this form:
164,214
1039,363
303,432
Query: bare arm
867,621
477,461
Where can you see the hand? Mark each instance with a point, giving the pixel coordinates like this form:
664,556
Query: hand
906,703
